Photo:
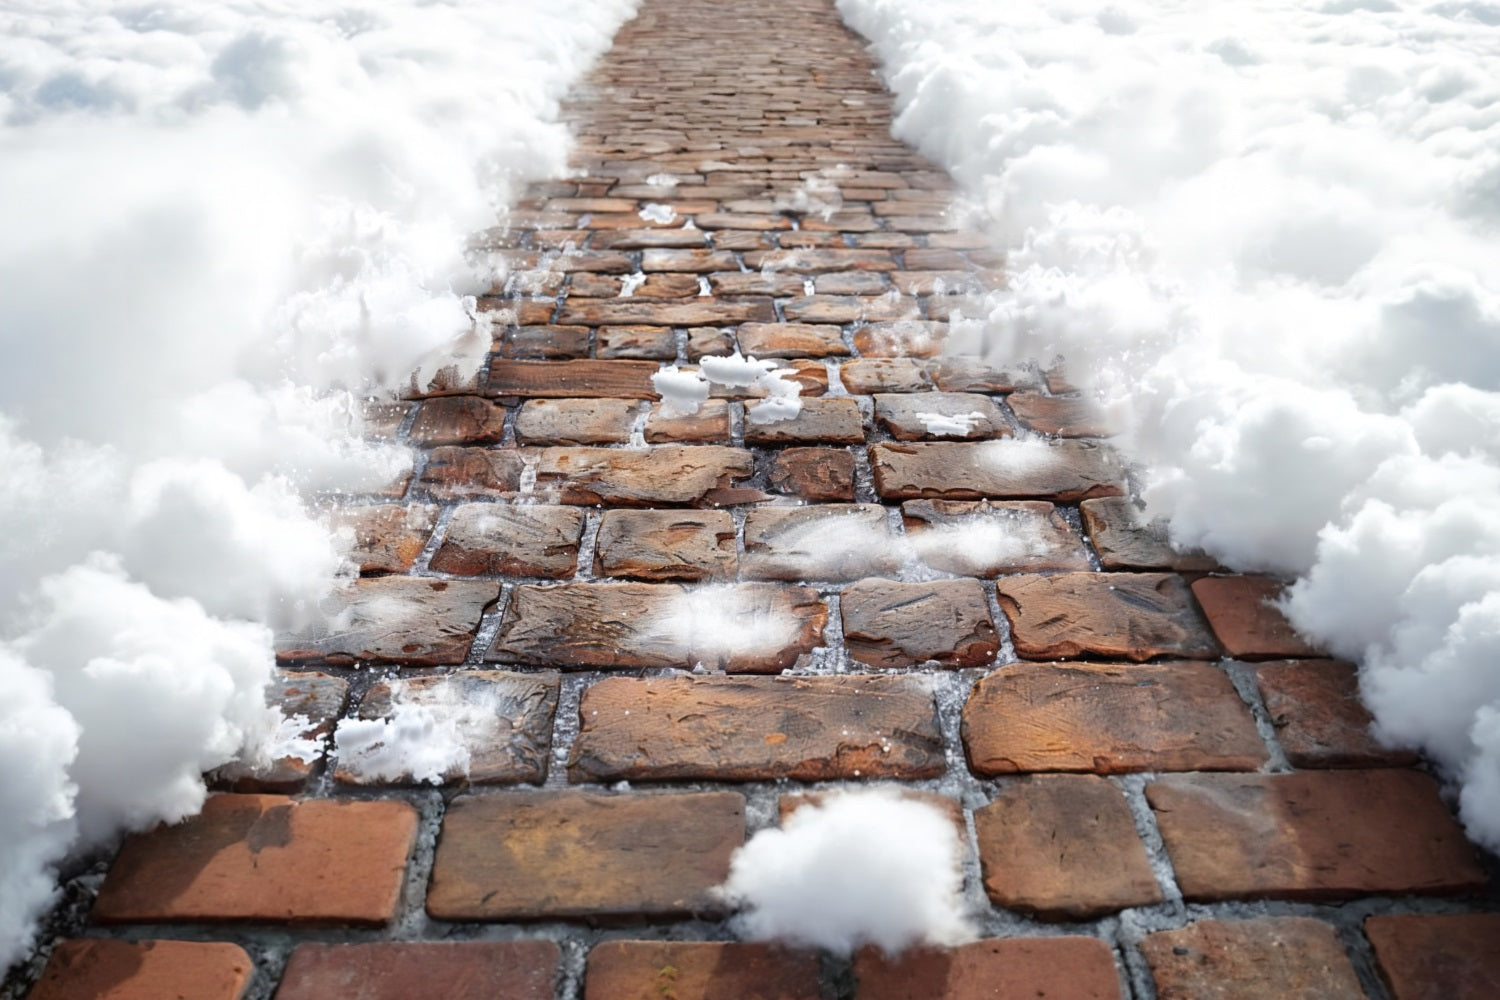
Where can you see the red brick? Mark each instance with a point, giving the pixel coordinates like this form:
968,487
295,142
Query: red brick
1249,627
987,538
387,970
1005,470
1439,957
1108,719
1319,720
820,421
813,473
576,421
826,542
710,425
757,729
1124,539
1270,958
1063,847
387,537
667,475
461,473
82,969
554,379
700,312
790,340
1064,416
267,859
396,619
666,545
699,970
576,855
501,539
458,420
1058,968
1132,616
909,416
318,700
1311,835
945,623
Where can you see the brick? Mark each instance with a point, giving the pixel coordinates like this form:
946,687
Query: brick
667,286
486,539
855,283
820,421
1131,616
870,375
818,261
1269,958
1438,957
850,309
382,421
974,375
1311,835
1124,539
458,420
1108,719
389,970
267,859
667,475
387,537
757,729
730,220
657,343
506,737
576,421
710,425
1319,720
828,542
638,239
811,377
699,970
943,622
591,261
463,473
898,336
702,312
756,283
554,379
923,259
910,416
708,342
813,473
592,286
946,282
575,855
1057,968
1063,416
790,340
539,340
747,628
990,537
83,969
405,620
1250,628
1063,847
1005,470
318,700
688,261
666,545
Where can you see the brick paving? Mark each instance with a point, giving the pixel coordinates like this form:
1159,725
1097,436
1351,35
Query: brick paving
690,625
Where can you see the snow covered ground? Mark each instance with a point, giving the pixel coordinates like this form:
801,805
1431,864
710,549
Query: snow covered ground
221,225
1267,234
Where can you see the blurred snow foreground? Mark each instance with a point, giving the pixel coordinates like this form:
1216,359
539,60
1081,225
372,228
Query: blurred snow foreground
1269,235
222,225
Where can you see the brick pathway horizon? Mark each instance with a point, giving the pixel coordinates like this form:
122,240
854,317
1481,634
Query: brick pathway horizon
686,624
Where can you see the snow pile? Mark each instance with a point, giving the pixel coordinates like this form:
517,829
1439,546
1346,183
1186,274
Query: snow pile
426,737
1268,232
867,867
683,392
223,225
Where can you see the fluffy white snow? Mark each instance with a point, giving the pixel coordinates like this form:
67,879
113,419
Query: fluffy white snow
683,392
221,226
1268,232
427,737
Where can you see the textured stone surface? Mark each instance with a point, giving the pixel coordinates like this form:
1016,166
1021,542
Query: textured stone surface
990,537
1438,957
757,729
1269,958
710,425
387,537
576,421
670,475
468,970
458,420
1006,470
699,970
871,375
454,473
814,473
613,312
395,619
821,421
538,339
656,343
1064,416
580,379
828,542
501,539
561,855
1124,539
316,700
666,545
790,340
889,624
1132,616
1057,968
81,969
974,375
1239,609
1319,719
915,416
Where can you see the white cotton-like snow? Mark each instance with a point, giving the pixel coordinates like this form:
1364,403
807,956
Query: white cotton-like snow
427,737
720,621
223,228
950,424
1269,235
782,395
682,393
630,283
736,370
657,213
860,867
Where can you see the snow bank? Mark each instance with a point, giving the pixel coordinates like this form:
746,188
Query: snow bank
222,226
1267,233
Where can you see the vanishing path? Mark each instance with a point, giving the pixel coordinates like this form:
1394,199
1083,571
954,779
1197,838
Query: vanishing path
877,590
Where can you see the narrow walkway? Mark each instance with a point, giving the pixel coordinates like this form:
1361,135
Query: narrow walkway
675,627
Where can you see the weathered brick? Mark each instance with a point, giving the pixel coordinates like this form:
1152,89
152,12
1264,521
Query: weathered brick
870,375
1007,470
818,261
827,542
940,415
855,283
700,312
811,377
710,425
899,336
501,539
1319,720
383,420
756,283
1268,958
1132,616
544,341
708,341
1248,625
318,700
987,537
946,622
1063,416
387,537
748,628
813,473
396,619
699,970
576,421
974,375
1124,539
268,859
1439,956
667,475
1108,719
458,420
731,220
821,421
688,261
790,340
1057,968
757,729
462,473
664,285
591,261
1311,835
851,309
572,855
666,545
1063,847
391,970
639,239
554,379
83,969
656,343
924,259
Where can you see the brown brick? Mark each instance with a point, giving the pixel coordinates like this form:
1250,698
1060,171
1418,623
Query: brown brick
900,337
850,309
1132,616
688,261
870,375
813,473
1269,958
699,970
554,379
543,341
666,545
811,377
710,425
81,969
568,855
987,537
973,375
588,286
638,239
1064,416
923,259
656,343
1124,539
947,622
1057,968
396,619
828,542
909,416
748,628
1438,957
756,283
390,970
1007,470
790,340
701,312
387,537
667,286
945,282
820,261
1108,719
708,342
576,421
500,539
267,859
461,473
730,220
591,261
382,421
508,746
757,729
318,699
1319,720
1311,835
854,283
1246,623
667,475
1063,847
458,420
821,421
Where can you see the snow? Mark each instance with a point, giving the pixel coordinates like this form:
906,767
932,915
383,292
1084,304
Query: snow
657,213
427,737
683,392
950,424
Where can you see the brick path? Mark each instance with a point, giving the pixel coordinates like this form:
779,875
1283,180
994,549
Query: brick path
850,585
